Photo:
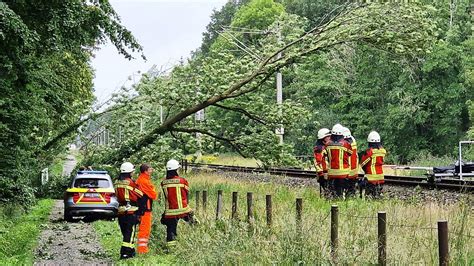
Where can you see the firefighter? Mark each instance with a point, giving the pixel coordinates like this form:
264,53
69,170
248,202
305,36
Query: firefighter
353,162
150,194
372,163
131,207
320,158
338,151
175,189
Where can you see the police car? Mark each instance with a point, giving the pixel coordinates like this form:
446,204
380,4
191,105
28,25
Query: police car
91,193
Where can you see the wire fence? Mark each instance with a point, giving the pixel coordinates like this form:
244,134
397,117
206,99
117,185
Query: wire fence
252,216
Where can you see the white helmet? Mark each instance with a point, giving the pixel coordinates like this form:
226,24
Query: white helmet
347,133
172,165
337,129
127,167
323,132
373,137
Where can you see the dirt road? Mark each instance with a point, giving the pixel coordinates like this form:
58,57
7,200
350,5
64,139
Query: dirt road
63,243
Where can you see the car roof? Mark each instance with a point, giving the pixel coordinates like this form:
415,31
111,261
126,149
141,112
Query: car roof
92,174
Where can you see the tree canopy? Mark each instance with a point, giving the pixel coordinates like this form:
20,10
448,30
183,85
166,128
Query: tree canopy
46,80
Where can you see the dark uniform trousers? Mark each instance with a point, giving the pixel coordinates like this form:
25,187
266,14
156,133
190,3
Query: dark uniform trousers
172,225
350,187
128,225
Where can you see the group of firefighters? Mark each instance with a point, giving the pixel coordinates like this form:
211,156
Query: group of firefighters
135,205
335,158
337,163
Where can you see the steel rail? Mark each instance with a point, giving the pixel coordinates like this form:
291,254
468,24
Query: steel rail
424,181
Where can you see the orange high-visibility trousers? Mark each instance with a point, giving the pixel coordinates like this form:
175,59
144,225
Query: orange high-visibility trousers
144,233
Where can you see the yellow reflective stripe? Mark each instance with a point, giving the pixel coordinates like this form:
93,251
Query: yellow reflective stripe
376,177
178,195
127,195
177,211
366,161
127,187
121,209
341,158
372,165
171,181
379,152
174,185
338,171
354,172
80,190
134,232
128,245
171,243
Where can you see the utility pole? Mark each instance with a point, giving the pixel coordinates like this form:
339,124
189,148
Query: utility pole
279,86
199,117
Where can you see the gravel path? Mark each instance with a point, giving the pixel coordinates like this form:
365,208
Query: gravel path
63,243
69,164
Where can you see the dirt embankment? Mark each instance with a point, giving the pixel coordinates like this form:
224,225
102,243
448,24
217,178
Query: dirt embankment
63,243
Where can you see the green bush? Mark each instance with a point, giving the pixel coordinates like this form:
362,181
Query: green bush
19,232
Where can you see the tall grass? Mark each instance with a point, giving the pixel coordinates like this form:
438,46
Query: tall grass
19,232
411,229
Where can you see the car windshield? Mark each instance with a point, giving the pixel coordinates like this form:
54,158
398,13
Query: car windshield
91,183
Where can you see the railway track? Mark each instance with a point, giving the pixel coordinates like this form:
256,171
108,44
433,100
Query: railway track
421,181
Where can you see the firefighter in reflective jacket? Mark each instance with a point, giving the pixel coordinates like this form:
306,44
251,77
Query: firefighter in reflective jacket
353,162
372,163
320,157
131,207
338,152
150,194
175,189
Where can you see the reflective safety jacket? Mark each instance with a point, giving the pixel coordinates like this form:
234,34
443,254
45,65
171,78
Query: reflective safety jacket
354,161
320,159
338,153
372,164
149,191
176,193
128,193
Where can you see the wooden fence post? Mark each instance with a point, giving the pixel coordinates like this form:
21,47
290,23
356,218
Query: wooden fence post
234,205
268,201
334,233
299,210
382,237
197,200
219,204
249,207
204,200
443,246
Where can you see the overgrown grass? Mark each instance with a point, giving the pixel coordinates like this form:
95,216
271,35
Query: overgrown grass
227,159
412,234
19,232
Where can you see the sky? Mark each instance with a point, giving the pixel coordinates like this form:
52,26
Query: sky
168,30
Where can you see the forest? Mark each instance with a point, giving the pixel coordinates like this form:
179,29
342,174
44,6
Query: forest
403,69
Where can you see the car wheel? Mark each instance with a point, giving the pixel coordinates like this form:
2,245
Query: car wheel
68,217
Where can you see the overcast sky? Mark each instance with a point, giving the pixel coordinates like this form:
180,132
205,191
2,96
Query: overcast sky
167,30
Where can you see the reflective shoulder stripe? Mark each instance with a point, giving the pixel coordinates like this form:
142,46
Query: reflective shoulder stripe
174,185
379,152
134,189
171,181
